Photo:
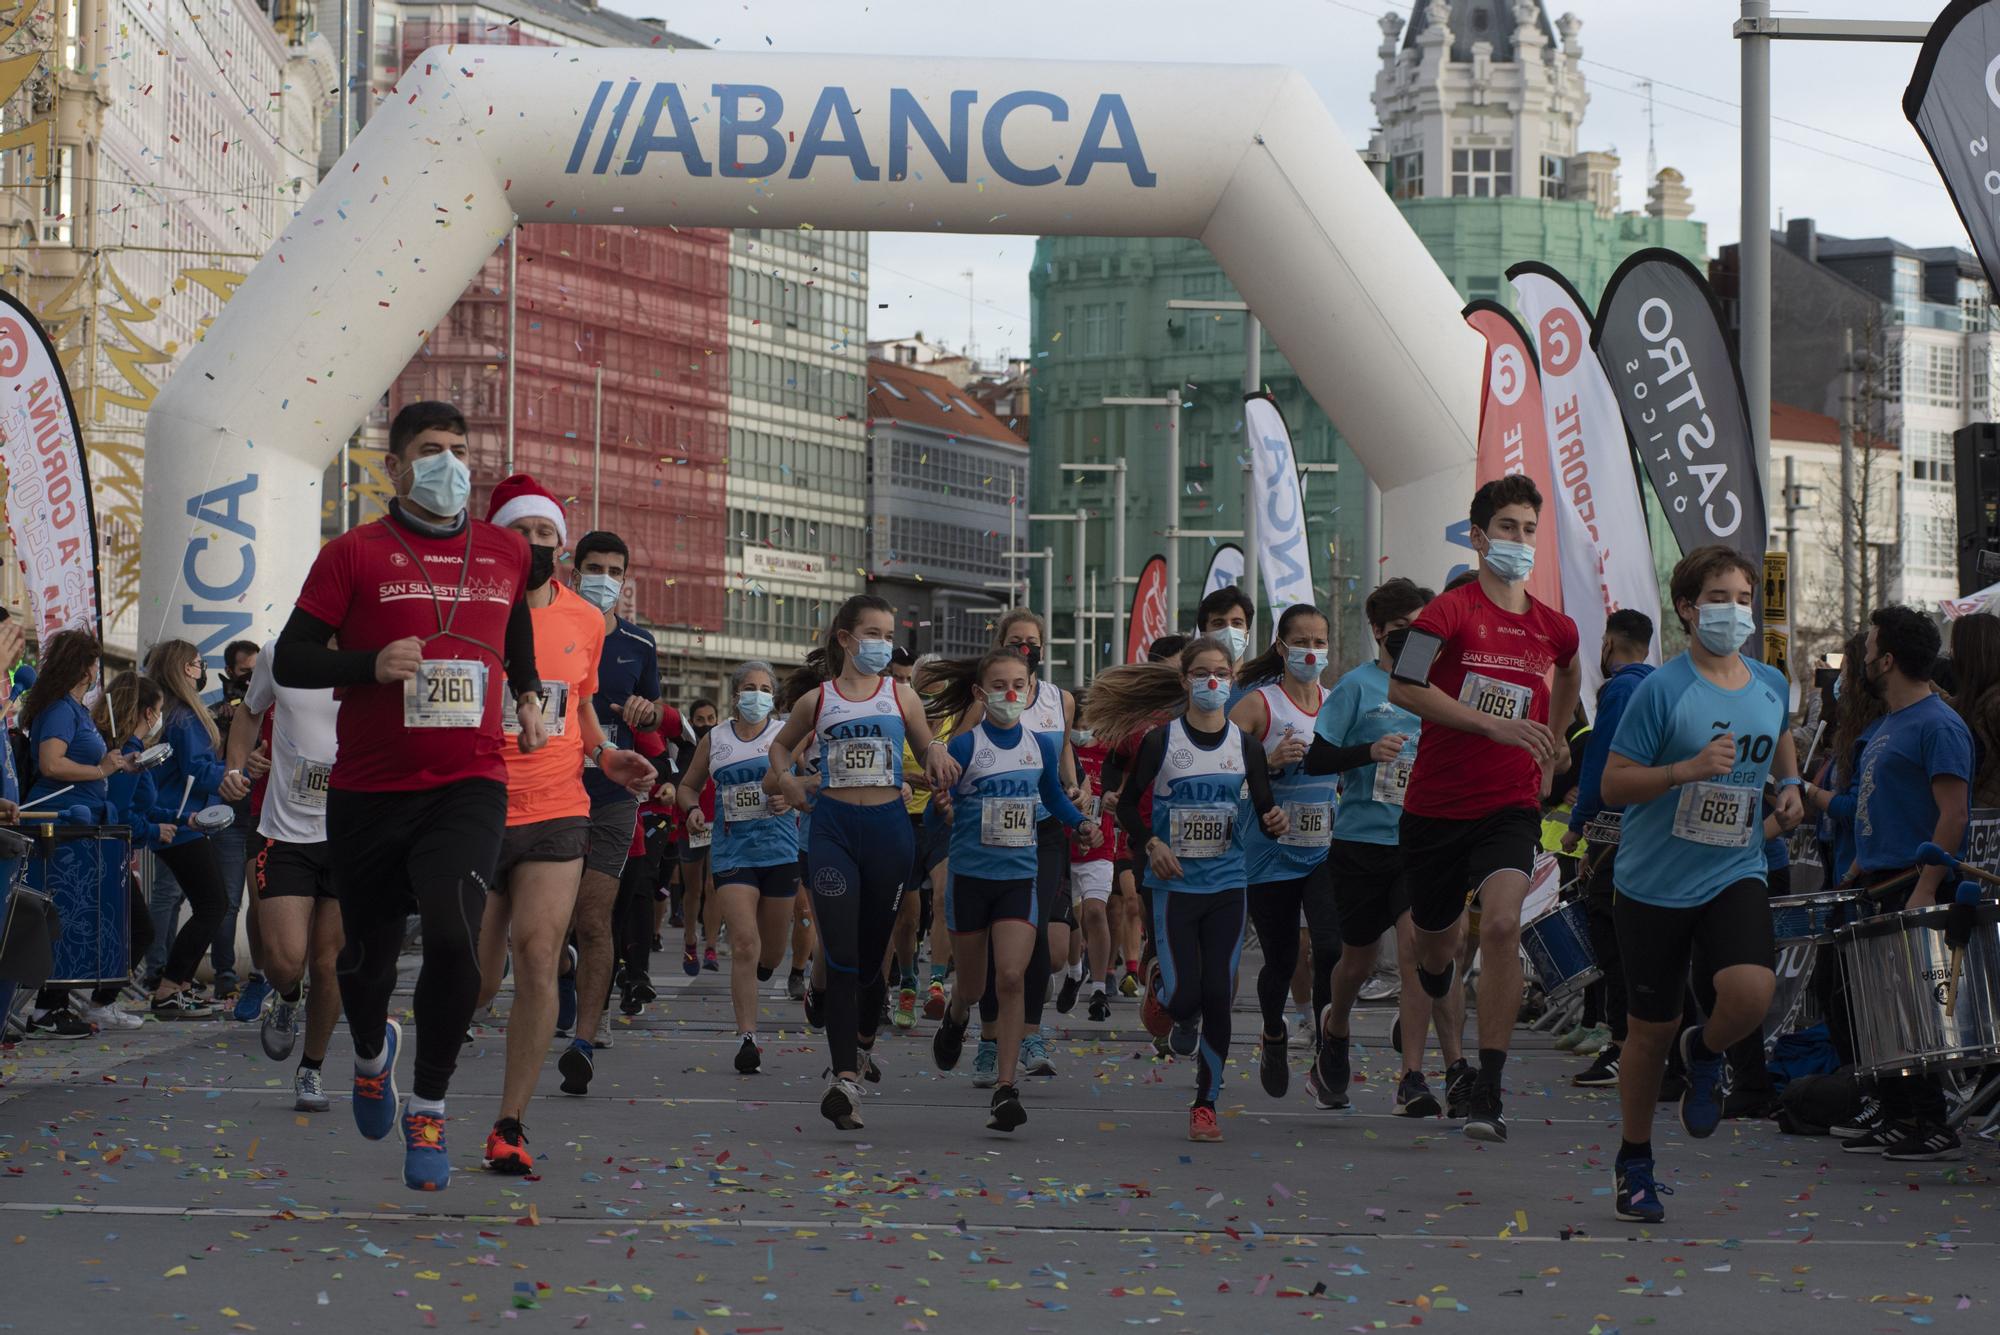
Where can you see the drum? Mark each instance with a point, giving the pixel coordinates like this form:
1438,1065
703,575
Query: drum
1558,946
1898,972
1811,917
210,820
84,868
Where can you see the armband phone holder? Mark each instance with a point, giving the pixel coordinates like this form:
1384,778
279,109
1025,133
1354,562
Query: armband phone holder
1411,653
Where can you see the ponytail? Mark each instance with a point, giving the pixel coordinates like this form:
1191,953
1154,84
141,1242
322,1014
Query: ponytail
1270,665
1126,701
948,686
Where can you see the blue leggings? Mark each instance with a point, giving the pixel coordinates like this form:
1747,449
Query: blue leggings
856,861
1200,941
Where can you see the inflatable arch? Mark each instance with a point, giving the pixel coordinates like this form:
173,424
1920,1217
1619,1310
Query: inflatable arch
1245,158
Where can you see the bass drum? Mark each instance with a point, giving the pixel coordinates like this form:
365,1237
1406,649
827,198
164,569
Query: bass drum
1898,972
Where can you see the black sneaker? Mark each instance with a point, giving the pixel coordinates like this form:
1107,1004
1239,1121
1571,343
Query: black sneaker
749,1057
1868,1117
948,1043
1459,1078
1414,1097
1638,1192
1924,1144
642,988
628,1001
795,984
1327,1081
1749,1105
815,1008
183,1005
1483,1120
1273,1065
1100,1006
1006,1114
1875,1140
1066,996
63,1023
577,1067
1602,1072
871,1070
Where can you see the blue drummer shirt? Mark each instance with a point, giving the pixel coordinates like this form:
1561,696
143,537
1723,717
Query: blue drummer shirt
1894,809
1673,715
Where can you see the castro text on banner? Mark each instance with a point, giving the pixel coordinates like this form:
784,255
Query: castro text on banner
1607,559
48,489
1954,102
1513,435
1149,610
1283,555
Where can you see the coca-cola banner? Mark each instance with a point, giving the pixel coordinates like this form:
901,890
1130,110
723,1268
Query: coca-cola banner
1149,610
1513,438
1954,102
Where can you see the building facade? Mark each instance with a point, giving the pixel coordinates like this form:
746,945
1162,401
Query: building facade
947,483
1481,105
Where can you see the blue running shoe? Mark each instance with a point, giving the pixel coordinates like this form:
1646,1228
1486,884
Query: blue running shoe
1638,1195
375,1095
250,1002
426,1165
1701,1106
986,1064
1184,1037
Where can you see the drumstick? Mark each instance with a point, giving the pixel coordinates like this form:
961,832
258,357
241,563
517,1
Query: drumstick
1930,855
186,793
1951,981
46,796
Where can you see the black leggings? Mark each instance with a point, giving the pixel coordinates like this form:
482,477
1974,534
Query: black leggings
855,866
199,874
1201,942
1051,898
435,852
1604,944
1276,908
632,913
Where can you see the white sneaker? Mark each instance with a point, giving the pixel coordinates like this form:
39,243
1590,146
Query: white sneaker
1382,987
109,1017
603,1039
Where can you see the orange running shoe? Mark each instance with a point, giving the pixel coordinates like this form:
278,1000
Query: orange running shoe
1201,1124
507,1148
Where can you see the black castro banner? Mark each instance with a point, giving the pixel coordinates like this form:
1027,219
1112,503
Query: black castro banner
1659,336
1954,102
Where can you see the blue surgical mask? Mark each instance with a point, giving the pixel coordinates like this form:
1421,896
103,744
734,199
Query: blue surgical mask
600,591
1212,693
441,483
1722,627
1304,664
1081,736
753,706
872,656
1511,561
1235,639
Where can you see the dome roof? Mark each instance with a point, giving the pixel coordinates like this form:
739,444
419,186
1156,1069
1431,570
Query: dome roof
1479,21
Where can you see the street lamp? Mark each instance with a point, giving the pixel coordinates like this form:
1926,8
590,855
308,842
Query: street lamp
1172,403
1118,576
1253,380
1081,518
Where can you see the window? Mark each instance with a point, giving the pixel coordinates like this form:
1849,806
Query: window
72,45
891,390
1096,321
1907,287
1973,308
1554,170
1935,375
1406,176
1118,327
1482,173
59,198
965,407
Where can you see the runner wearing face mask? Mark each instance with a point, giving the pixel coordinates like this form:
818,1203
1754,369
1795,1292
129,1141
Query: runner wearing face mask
1225,616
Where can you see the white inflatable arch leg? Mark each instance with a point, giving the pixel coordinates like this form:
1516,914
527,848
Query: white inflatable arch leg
1243,157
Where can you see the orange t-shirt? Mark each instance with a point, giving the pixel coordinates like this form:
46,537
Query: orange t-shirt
569,640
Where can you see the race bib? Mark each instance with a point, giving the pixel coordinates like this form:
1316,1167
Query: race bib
1716,814
858,762
555,709
1202,832
1007,822
310,781
445,693
1603,829
743,801
1501,699
702,840
1312,824
1392,780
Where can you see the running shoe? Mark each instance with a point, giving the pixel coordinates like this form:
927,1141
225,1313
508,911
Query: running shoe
1875,1140
749,1057
1701,1108
815,1006
841,1104
309,1091
1382,987
795,985
643,989
1594,1040
1035,1055
566,994
225,987
1638,1194
1274,1065
1100,1006
708,961
577,1067
1414,1097
109,1017
280,1030
1459,1078
507,1149
1330,1075
1483,1120
1006,1112
986,1065
1066,996
1184,1038
603,1040
1749,1105
934,1000
1153,1011
690,961
1866,1118
375,1095
1925,1144
906,1007
949,1042
659,945
250,1002
1569,1038
426,1165
1128,986
1602,1072
1201,1124
182,1005
868,1068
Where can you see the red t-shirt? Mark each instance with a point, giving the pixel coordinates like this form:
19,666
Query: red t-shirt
1460,775
365,585
1090,760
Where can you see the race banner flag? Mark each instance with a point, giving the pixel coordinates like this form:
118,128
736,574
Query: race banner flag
49,513
1224,569
1607,558
1283,555
1660,340
1954,102
1150,618
1513,434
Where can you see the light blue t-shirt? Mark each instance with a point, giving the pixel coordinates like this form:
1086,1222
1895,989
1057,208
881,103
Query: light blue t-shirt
1896,811
1673,715
1357,713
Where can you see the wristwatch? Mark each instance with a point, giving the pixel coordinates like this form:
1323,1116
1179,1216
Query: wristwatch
598,750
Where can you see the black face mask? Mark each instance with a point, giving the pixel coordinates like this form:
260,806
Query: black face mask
1604,666
201,682
541,565
702,730
1033,653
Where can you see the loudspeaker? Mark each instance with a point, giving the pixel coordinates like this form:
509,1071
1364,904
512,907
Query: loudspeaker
1976,458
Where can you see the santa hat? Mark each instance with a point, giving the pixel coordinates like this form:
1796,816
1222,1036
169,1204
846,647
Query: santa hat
521,497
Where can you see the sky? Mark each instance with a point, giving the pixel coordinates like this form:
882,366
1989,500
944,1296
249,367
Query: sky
1842,152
